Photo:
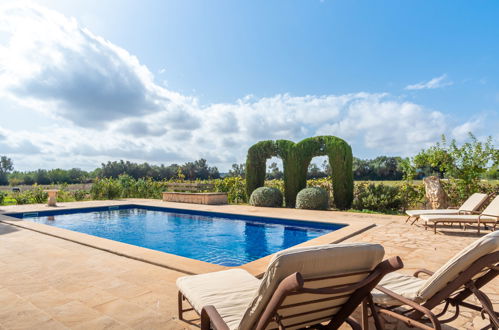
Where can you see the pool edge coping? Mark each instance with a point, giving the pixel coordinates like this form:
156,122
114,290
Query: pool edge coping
171,261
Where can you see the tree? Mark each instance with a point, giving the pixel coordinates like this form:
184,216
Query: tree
466,163
237,170
379,168
314,172
6,166
274,173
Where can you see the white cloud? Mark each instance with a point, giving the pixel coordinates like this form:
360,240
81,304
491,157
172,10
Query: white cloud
437,82
106,105
57,66
461,132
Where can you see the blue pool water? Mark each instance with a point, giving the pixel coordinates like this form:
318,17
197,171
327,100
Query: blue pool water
223,239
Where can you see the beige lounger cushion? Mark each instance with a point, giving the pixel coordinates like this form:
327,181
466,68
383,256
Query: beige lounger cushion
313,262
452,268
230,291
492,208
472,204
408,287
418,213
405,285
470,218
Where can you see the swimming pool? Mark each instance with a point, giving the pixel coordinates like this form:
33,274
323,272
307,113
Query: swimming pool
218,238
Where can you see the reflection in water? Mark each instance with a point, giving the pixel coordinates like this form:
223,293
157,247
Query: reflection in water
255,239
293,236
50,218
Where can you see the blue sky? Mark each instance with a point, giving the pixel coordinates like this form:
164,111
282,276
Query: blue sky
171,81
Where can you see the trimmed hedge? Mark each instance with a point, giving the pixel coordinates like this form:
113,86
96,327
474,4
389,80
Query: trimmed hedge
296,158
266,196
314,198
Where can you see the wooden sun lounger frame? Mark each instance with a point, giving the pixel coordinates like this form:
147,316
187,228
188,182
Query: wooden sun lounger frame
459,212
294,285
417,217
421,315
464,222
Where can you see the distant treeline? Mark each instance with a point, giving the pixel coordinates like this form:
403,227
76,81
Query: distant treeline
189,171
381,168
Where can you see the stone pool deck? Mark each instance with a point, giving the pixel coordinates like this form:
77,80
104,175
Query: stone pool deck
51,283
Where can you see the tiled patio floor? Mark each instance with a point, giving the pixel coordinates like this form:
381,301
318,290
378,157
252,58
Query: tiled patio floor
50,283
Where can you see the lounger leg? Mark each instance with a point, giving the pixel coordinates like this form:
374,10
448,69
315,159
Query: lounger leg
408,218
486,304
414,221
365,315
374,312
180,311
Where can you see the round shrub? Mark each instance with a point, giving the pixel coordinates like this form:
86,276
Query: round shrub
266,196
314,198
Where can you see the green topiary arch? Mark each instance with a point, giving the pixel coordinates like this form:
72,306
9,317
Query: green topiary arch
296,158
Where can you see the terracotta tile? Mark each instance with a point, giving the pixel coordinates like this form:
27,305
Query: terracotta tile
127,290
92,296
101,323
73,313
48,299
123,311
160,303
153,321
28,288
8,297
68,284
21,314
109,282
50,325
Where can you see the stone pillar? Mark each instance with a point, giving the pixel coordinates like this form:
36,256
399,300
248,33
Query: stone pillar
435,193
52,200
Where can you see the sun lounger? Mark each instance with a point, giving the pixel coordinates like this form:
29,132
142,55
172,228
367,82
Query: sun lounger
470,206
301,287
458,279
489,216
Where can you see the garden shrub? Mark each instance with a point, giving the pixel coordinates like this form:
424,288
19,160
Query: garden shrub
377,197
266,196
2,197
411,195
22,197
458,190
105,189
326,184
79,195
235,187
314,198
37,195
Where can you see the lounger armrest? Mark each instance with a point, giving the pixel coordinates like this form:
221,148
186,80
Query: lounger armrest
424,271
210,317
434,320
